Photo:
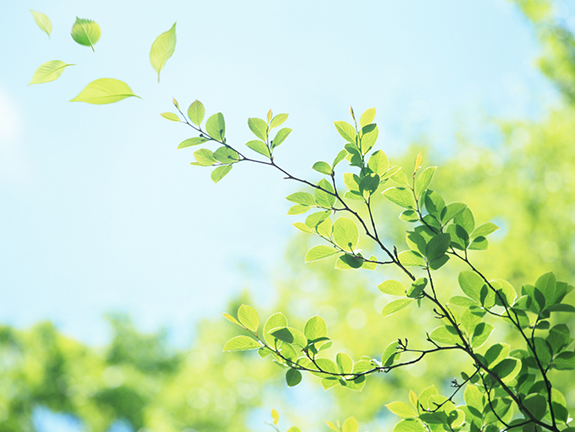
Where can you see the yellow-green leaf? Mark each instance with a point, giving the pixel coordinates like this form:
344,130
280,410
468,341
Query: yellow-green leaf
42,21
49,71
162,49
170,116
104,91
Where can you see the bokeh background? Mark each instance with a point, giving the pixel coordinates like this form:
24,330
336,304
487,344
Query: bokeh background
117,257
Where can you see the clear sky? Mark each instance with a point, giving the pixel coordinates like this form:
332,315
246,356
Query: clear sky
100,213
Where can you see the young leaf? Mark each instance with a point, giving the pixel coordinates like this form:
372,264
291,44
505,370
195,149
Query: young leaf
259,147
322,197
216,127
378,163
42,21
259,128
395,306
367,117
49,71
424,180
345,233
204,157
196,112
278,120
276,320
410,258
346,131
315,327
162,49
344,363
248,316
320,252
231,319
401,409
302,198
241,343
322,167
190,142
226,155
297,210
220,172
392,287
471,284
484,230
437,246
400,196
86,32
170,116
340,156
280,137
104,91
350,425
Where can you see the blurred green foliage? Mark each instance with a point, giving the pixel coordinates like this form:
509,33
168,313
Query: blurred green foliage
140,380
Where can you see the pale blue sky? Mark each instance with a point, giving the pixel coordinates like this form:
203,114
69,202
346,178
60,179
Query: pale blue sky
100,213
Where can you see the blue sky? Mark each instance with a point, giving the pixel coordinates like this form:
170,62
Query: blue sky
100,213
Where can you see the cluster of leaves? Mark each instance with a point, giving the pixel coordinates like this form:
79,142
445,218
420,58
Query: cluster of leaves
87,32
507,388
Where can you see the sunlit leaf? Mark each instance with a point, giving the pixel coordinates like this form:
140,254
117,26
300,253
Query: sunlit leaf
104,91
162,49
42,21
49,71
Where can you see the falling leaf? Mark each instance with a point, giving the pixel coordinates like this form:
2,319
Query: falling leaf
162,49
104,91
86,32
49,71
43,21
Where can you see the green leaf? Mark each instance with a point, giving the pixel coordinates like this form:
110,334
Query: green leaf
348,262
369,134
484,230
507,369
216,127
437,246
196,112
451,210
409,425
315,328
170,116
434,203
340,156
350,425
325,228
322,167
42,21
345,233
278,120
565,361
481,334
86,32
190,142
294,429
445,334
346,131
320,252
395,306
248,316
400,177
401,409
259,128
49,71
462,301
479,243
559,337
466,220
204,157
231,319
496,353
293,377
389,354
536,405
220,172
417,288
392,287
471,284
344,363
277,320
162,49
314,219
329,382
290,335
410,259
241,343
302,198
424,180
226,155
400,196
323,198
275,416
367,117
409,216
104,91
297,210
281,137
